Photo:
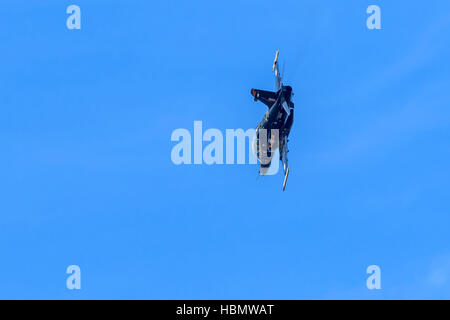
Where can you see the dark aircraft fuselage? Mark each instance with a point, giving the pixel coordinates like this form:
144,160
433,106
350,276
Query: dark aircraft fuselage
279,116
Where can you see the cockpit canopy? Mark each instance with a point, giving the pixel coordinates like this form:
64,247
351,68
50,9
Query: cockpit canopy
287,92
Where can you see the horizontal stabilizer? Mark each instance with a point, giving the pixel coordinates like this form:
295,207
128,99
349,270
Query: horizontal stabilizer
266,97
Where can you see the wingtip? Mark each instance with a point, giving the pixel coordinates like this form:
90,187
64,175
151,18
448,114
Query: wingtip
275,61
285,179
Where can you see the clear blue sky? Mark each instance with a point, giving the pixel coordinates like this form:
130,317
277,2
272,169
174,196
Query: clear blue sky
86,176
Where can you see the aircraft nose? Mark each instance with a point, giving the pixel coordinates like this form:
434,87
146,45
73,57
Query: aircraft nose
263,170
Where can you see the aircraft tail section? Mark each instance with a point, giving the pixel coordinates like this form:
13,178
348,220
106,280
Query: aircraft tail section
266,97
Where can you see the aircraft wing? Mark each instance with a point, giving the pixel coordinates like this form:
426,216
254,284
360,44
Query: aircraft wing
276,71
284,160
